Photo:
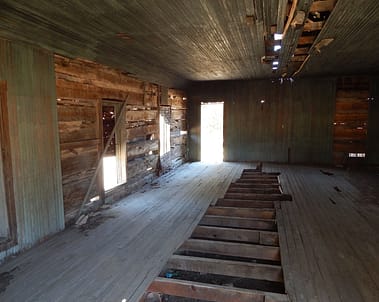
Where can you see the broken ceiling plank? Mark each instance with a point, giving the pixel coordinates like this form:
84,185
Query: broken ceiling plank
316,27
313,26
301,51
305,40
322,6
299,58
282,13
290,16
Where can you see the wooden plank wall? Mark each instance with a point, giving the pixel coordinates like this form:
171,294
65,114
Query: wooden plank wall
33,132
177,100
373,124
81,87
351,119
294,124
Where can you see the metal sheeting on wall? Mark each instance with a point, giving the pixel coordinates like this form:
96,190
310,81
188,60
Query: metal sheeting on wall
29,74
270,120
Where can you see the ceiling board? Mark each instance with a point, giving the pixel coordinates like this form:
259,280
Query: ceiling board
172,42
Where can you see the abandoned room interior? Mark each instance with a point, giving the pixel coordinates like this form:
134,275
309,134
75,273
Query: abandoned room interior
203,150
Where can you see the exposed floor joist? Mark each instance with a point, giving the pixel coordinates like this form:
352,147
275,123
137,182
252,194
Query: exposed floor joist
118,259
228,243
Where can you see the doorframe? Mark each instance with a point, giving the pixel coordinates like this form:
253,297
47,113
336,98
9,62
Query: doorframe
120,144
212,103
6,157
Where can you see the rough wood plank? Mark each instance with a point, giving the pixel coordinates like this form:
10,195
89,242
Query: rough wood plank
253,196
218,293
253,185
243,203
235,234
241,212
236,222
253,190
231,249
226,268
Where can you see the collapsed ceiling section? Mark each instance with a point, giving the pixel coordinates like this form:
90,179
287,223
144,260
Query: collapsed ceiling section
173,42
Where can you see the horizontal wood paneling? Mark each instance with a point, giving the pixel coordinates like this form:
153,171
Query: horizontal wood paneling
177,100
29,73
373,124
351,118
81,88
293,124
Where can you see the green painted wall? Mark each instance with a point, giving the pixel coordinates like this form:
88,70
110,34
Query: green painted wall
30,77
295,123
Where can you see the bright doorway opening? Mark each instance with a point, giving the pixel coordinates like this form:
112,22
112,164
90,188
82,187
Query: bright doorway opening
114,161
212,138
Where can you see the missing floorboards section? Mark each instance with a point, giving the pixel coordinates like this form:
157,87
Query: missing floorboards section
233,254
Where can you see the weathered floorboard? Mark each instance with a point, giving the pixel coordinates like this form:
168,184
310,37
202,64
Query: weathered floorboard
328,243
226,268
234,234
231,249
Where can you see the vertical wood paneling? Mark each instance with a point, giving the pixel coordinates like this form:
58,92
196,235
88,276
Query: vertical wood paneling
294,123
29,73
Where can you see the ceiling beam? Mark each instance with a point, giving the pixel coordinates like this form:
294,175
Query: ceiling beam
322,6
313,26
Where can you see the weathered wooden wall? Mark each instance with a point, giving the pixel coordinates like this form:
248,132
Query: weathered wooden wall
177,100
294,124
351,119
29,75
81,88
373,123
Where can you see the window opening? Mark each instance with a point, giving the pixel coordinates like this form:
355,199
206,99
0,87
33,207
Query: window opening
164,130
114,160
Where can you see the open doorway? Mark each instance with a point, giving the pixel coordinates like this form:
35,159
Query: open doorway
114,160
212,121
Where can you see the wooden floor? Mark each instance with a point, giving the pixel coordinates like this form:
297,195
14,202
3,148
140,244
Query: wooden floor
329,240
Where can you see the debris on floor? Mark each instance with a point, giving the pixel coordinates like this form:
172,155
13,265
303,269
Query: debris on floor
326,172
5,279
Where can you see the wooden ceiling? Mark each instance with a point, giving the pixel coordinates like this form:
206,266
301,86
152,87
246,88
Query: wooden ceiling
173,42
